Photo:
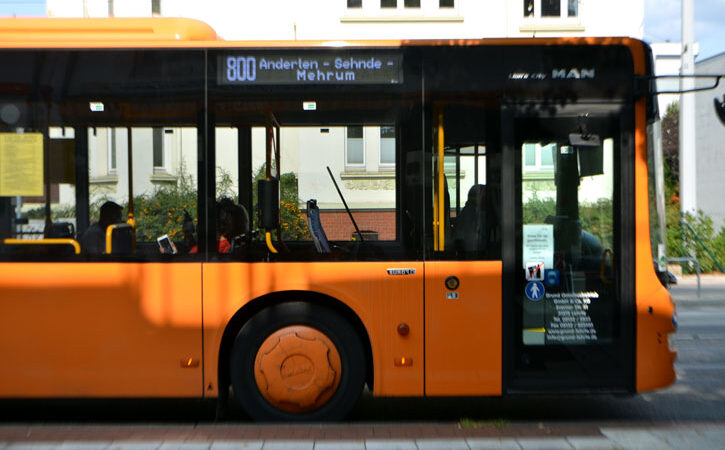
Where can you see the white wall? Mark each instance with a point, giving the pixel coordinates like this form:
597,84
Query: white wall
331,19
710,145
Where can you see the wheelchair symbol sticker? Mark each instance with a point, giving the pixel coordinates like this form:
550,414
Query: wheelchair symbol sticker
535,291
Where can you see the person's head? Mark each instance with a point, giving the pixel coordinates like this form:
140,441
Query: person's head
477,196
110,214
232,219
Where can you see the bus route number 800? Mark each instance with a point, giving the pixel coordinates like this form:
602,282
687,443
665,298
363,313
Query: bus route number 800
241,68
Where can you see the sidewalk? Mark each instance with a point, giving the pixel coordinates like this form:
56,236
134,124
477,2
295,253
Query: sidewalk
712,289
331,437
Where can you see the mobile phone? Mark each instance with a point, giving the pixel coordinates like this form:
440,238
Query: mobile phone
167,247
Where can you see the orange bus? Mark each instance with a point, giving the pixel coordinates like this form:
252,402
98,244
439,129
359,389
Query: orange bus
304,219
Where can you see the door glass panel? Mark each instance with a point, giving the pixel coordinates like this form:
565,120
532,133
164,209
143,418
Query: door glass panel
471,186
570,312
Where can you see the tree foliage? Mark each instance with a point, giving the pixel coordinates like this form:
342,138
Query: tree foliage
671,142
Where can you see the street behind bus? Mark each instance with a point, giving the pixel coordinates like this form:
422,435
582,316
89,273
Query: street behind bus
689,414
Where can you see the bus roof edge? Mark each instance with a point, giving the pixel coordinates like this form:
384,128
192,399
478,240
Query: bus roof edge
22,30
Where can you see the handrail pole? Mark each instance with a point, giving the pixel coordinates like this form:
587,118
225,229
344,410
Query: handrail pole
707,250
697,268
342,197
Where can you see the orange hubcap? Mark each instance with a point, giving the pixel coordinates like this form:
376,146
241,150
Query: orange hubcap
297,369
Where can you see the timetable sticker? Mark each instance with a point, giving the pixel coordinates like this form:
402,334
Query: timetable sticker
21,164
538,243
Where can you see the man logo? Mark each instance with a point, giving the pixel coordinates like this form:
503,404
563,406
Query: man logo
573,74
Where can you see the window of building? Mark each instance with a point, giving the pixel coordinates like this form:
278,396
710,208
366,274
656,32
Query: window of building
446,4
538,157
573,9
160,144
111,150
355,148
528,8
551,8
354,3
387,146
394,3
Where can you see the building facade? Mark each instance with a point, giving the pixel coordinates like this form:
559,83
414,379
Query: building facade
361,156
710,144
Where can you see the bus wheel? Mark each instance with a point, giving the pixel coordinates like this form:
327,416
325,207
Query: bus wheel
297,361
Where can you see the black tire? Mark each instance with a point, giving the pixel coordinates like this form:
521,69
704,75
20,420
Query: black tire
322,319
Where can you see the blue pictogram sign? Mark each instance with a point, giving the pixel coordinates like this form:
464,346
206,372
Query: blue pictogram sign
551,278
535,290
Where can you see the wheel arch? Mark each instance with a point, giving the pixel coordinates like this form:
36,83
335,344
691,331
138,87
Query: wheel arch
246,312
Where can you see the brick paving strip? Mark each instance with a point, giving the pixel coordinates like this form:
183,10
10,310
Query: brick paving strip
315,432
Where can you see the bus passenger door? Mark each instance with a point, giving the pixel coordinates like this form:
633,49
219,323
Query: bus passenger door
463,275
567,324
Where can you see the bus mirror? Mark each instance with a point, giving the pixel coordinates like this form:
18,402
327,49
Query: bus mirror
584,140
720,109
589,153
268,200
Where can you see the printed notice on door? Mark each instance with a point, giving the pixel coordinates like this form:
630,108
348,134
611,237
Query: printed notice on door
21,164
539,245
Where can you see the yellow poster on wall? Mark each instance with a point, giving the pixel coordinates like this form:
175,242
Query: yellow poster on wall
21,164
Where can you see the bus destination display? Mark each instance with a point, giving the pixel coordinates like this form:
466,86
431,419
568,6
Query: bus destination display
310,68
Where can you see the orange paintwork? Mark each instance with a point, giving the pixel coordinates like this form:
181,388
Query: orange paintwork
100,330
463,335
297,369
655,308
380,300
139,30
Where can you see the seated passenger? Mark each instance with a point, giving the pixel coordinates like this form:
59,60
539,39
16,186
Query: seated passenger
470,232
93,241
188,245
232,224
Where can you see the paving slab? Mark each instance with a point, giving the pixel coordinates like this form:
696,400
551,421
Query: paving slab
135,445
636,439
544,443
288,445
33,446
237,445
442,444
390,444
591,443
175,445
81,445
340,445
492,444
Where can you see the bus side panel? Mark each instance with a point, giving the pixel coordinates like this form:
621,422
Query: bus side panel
655,361
100,330
463,332
381,301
